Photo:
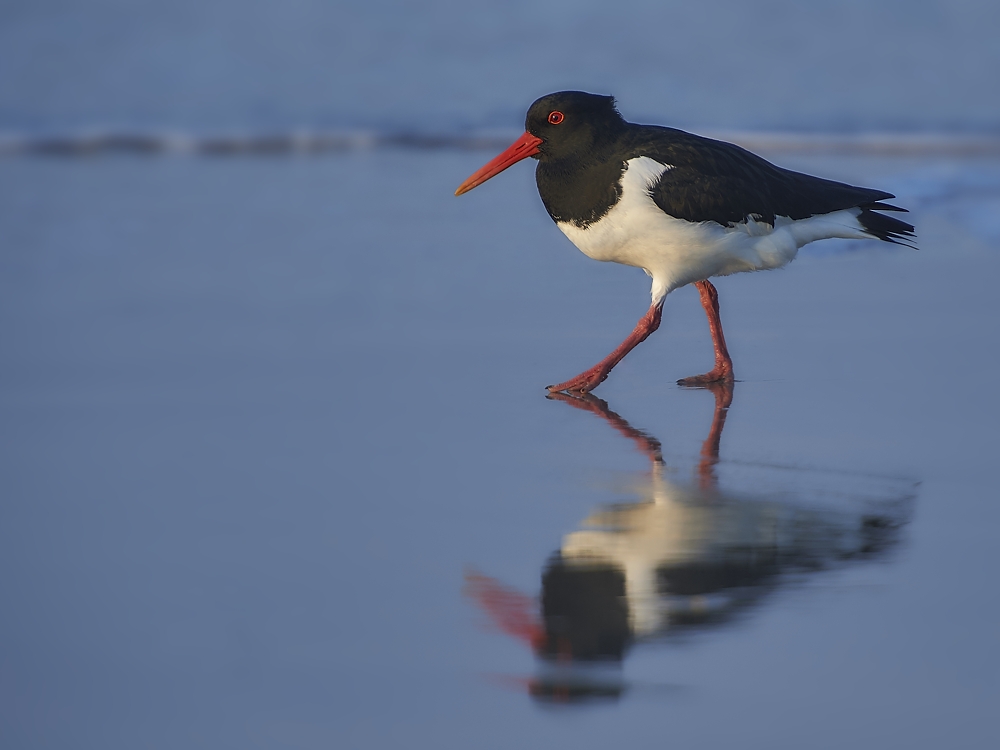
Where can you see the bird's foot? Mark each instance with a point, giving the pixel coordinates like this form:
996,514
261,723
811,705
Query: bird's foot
716,375
582,383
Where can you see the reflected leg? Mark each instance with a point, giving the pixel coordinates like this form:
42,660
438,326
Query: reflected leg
723,370
588,402
710,448
590,379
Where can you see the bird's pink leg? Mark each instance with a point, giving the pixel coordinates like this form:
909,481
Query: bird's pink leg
590,379
723,370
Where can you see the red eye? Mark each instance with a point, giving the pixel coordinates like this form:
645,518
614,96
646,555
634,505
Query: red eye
556,117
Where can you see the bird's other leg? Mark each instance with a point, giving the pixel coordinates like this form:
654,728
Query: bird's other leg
723,370
590,379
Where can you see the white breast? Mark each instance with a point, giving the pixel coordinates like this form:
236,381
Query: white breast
675,252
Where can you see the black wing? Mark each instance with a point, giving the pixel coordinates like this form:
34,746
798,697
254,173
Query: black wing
720,182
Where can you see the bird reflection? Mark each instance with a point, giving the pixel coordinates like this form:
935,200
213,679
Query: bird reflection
688,555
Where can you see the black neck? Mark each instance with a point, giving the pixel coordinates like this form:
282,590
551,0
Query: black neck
579,191
580,188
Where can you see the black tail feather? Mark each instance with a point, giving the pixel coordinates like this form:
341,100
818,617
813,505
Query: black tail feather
880,206
883,227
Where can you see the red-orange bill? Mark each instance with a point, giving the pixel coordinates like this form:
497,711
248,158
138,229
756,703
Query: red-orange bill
522,148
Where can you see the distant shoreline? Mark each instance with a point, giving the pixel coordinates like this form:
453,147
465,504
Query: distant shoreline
90,142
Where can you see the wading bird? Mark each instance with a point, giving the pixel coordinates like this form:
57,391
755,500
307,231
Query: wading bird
682,207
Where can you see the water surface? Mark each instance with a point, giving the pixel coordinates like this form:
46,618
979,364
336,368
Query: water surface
265,421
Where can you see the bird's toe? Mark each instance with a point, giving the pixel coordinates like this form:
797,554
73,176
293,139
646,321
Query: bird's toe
700,381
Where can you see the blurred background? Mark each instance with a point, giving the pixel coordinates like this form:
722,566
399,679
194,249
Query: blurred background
277,465
454,66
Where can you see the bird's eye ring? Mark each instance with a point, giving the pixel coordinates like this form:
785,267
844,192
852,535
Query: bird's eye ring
556,117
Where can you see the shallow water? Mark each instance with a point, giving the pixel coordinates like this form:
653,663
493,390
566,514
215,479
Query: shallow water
275,445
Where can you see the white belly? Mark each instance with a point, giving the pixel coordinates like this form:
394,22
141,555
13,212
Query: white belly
675,252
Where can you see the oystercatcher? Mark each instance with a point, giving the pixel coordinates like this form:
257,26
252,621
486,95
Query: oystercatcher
679,206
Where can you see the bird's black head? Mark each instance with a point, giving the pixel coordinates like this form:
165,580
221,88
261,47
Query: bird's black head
570,123
567,125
